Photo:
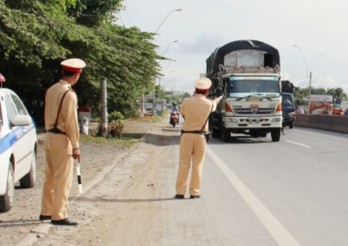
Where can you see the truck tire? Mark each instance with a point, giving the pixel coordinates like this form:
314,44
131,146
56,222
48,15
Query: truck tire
225,134
275,134
215,133
28,181
6,200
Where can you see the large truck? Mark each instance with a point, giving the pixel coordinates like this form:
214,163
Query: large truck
247,74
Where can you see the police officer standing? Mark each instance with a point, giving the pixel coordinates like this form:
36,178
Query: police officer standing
195,112
61,143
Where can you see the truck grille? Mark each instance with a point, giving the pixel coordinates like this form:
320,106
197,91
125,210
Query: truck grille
253,111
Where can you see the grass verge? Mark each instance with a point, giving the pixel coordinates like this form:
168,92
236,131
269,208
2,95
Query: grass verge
123,143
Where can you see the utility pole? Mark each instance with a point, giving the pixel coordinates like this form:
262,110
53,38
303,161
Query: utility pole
104,111
309,91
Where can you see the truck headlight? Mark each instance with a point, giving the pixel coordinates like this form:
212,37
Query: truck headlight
277,119
232,120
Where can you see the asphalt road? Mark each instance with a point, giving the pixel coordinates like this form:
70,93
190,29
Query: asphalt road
287,193
256,192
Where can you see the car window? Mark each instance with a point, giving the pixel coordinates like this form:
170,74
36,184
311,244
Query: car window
10,109
19,105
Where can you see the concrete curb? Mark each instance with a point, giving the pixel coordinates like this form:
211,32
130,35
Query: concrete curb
41,230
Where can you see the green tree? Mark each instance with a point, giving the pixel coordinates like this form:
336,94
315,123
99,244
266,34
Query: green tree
36,35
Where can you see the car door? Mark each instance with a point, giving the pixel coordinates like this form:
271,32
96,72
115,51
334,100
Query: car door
25,136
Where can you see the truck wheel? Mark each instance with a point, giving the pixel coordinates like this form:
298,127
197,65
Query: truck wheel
215,133
226,135
6,200
275,134
28,181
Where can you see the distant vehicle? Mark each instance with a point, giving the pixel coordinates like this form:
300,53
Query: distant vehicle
288,107
288,104
149,108
18,144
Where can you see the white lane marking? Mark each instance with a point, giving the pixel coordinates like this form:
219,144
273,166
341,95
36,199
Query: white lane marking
275,228
303,145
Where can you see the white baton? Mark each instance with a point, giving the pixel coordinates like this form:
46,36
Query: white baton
78,173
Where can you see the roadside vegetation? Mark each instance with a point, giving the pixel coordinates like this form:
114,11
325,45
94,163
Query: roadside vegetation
36,35
122,143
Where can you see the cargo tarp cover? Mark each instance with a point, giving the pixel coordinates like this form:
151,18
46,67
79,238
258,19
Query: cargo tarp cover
271,58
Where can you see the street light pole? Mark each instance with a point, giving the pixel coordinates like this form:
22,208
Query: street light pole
310,75
166,49
157,29
175,10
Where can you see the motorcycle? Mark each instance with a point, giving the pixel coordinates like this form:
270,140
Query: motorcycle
174,118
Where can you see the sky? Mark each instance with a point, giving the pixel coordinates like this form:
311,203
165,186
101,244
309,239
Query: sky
310,35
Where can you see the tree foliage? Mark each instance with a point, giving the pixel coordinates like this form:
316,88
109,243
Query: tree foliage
36,35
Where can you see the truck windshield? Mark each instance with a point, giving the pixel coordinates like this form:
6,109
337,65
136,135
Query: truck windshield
251,87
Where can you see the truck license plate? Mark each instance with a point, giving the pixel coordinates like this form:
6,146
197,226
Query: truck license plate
254,119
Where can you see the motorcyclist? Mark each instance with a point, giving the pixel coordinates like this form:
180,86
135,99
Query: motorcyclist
174,114
175,107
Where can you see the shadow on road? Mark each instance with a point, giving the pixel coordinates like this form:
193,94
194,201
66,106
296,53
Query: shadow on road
160,140
131,200
241,140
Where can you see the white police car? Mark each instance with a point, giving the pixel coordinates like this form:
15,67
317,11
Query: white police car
18,143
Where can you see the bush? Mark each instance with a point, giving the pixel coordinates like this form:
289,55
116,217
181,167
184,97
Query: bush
116,124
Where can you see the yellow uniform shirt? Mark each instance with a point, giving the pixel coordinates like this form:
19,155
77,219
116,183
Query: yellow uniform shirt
67,118
195,111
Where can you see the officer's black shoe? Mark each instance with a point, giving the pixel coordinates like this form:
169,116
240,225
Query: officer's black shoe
177,196
45,217
195,196
65,222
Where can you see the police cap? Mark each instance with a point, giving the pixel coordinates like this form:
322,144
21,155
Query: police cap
203,83
74,65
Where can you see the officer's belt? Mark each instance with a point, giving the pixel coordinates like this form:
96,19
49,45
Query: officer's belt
194,132
56,131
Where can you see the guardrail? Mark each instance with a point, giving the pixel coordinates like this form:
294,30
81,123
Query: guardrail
324,122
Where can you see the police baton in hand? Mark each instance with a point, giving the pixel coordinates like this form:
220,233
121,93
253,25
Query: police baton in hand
78,173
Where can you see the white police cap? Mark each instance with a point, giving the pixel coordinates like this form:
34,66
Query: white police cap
203,83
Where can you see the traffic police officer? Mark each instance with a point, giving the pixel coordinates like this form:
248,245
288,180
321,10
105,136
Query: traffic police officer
195,112
61,143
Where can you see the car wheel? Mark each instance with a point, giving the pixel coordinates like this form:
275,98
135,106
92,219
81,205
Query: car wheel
28,181
6,200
